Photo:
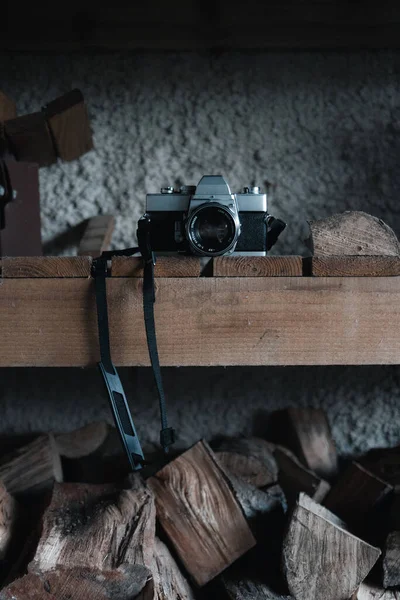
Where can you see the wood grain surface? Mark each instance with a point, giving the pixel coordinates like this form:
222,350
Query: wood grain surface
369,591
205,321
166,266
33,467
200,514
258,266
250,459
321,560
97,236
30,139
42,267
169,583
391,560
355,266
71,130
353,233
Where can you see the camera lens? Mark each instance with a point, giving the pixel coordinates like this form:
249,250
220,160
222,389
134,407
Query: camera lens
212,230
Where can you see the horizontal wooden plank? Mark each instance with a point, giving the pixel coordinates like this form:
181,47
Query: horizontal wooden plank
49,266
258,266
166,266
355,266
205,321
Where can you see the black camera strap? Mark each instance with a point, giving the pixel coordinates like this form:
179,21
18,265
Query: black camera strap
120,408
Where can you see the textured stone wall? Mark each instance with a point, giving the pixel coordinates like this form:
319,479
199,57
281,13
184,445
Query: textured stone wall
323,128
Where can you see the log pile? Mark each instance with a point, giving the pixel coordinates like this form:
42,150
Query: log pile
241,519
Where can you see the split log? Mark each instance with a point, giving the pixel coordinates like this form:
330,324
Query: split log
368,591
32,468
68,120
306,432
169,583
353,233
8,521
96,526
30,139
391,560
294,478
356,493
200,514
250,459
78,583
92,454
8,110
321,560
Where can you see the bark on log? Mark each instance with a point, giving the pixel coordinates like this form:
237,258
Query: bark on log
321,560
353,233
200,514
250,459
32,468
306,432
355,494
294,478
249,589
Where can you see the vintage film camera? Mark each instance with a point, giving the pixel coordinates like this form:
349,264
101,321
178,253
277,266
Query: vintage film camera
208,220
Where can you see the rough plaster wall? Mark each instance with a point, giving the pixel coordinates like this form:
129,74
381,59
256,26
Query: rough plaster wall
324,128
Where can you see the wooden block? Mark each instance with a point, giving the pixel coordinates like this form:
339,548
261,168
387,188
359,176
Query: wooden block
205,321
191,493
391,560
97,236
122,583
8,110
369,591
45,267
355,266
166,266
30,139
306,432
8,521
356,493
353,233
258,266
321,560
32,468
294,478
246,588
250,459
68,120
83,441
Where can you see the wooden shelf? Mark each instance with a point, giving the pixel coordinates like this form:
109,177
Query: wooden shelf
48,314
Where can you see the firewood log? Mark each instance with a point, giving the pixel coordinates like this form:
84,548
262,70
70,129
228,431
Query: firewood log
79,583
391,560
200,514
249,589
8,517
251,459
306,432
294,478
355,494
169,583
384,462
353,233
368,591
92,454
321,559
32,468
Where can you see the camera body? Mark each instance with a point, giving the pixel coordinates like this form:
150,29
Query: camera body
208,220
